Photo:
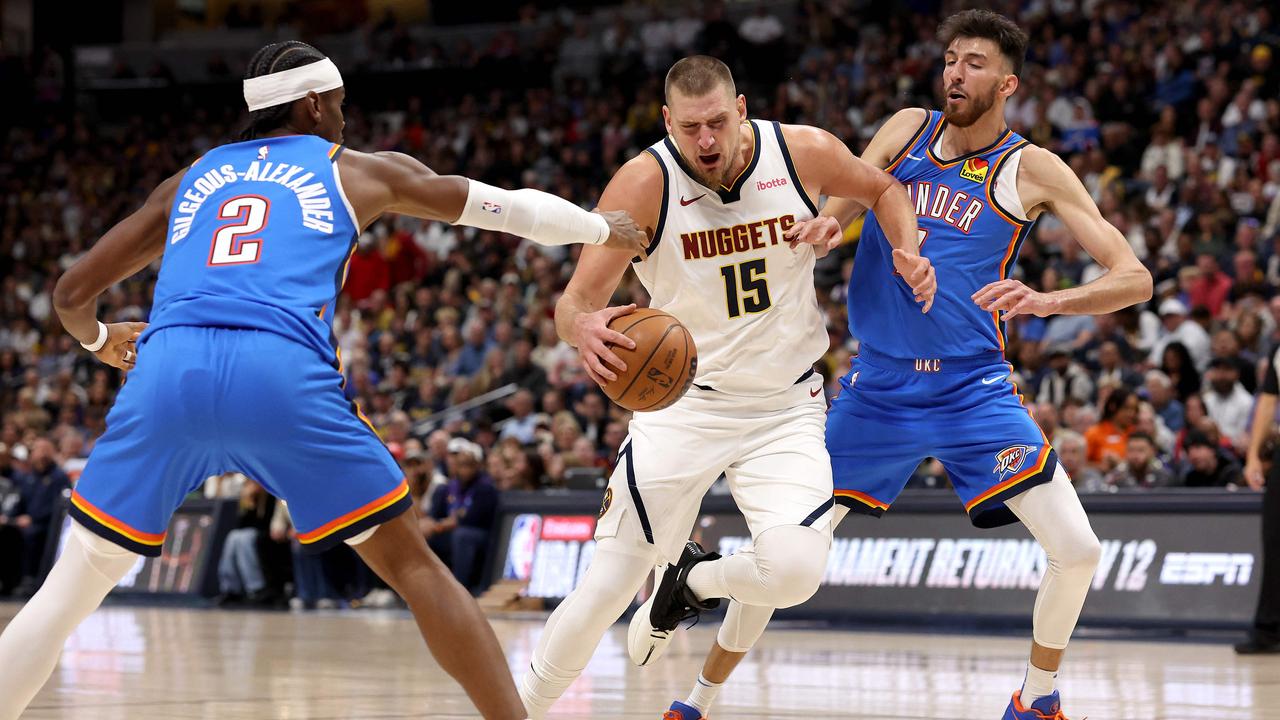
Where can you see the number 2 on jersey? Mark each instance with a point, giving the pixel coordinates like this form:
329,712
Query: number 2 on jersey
755,291
228,248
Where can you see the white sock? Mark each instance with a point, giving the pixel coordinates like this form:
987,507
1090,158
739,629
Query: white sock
1037,684
704,693
29,648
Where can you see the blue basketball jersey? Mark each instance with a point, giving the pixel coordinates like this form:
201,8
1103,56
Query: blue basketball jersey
971,239
259,237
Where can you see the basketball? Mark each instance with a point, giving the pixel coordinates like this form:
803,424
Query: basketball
660,369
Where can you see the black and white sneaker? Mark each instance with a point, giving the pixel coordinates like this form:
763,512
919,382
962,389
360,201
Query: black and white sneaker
671,603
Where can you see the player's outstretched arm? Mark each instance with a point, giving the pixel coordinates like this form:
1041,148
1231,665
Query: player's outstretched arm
1046,183
395,182
582,318
129,246
890,140
827,167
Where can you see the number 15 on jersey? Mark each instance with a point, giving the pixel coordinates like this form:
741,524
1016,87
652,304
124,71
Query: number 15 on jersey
754,294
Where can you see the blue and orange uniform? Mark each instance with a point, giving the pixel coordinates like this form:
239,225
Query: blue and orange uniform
937,385
239,369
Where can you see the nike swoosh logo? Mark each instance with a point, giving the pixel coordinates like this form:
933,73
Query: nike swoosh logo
996,379
814,392
684,202
913,157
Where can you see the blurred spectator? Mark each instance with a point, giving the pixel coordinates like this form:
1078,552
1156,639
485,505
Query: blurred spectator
40,488
523,421
462,514
1177,365
1159,391
1227,403
1142,468
1071,453
1064,379
1106,442
1178,328
240,571
1208,465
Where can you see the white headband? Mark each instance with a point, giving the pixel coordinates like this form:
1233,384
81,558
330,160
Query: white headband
289,85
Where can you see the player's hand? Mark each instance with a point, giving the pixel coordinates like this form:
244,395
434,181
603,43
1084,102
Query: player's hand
624,233
592,336
919,274
1253,473
1014,298
121,349
822,232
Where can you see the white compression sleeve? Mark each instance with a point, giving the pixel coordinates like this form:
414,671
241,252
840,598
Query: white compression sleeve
1053,514
29,648
575,628
542,217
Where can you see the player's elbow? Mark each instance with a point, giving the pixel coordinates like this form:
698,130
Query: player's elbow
1143,285
69,294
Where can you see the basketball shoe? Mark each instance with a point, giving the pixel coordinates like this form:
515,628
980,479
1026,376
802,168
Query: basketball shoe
1048,707
671,602
680,711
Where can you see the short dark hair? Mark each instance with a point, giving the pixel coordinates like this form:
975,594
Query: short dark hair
987,25
1139,435
698,75
271,59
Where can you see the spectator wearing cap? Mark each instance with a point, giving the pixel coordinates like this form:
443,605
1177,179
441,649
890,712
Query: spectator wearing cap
1207,464
1105,442
460,518
1226,401
1177,328
1142,467
1159,391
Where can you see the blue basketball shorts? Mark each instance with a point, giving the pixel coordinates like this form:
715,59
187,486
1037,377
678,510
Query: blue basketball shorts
893,413
204,401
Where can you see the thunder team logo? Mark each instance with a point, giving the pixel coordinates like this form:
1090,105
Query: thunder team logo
1010,460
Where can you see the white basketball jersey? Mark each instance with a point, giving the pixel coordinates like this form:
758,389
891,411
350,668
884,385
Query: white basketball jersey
719,264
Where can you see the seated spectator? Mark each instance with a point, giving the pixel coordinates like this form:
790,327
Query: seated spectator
1208,465
1227,402
1177,365
510,468
1071,453
1106,441
523,421
312,589
240,571
462,513
40,488
1160,392
1063,378
1141,468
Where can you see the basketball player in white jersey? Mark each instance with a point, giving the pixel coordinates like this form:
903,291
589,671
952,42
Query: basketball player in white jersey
722,195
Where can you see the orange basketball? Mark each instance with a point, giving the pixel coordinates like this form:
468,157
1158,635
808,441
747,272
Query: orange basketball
660,369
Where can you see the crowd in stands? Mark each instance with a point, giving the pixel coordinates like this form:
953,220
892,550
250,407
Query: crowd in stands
1169,112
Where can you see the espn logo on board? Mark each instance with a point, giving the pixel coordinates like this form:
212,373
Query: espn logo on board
1206,568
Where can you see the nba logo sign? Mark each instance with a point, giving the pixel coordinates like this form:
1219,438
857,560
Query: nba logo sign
526,530
1010,460
975,169
492,207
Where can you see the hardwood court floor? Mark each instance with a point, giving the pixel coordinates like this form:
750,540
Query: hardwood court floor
148,664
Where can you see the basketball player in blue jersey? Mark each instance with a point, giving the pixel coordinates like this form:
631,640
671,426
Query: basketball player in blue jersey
937,385
238,369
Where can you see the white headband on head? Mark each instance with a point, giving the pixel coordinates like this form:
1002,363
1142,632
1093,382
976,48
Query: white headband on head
289,85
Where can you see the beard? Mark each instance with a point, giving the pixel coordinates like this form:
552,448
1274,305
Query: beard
975,108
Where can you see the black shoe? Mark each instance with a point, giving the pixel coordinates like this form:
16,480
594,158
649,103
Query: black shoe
227,600
671,602
1258,646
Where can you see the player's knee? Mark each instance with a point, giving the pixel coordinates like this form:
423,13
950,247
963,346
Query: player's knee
792,561
1080,555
